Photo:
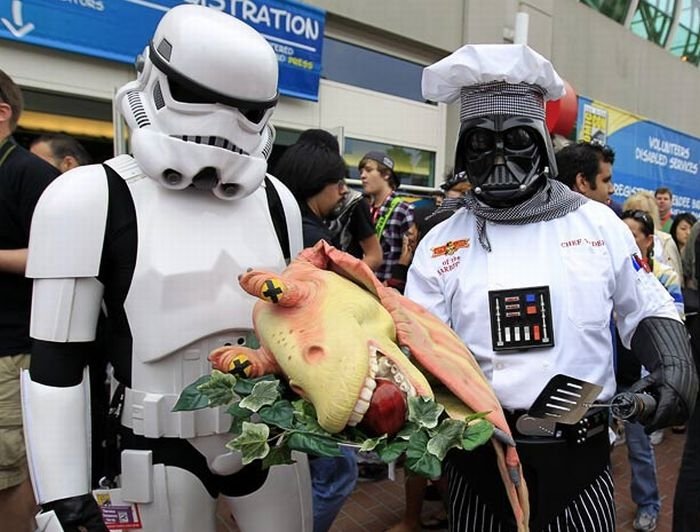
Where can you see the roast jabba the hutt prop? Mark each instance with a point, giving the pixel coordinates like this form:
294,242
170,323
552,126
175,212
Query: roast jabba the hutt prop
337,333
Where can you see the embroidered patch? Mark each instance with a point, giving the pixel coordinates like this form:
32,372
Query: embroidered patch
450,248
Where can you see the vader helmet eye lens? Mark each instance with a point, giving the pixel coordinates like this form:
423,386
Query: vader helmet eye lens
518,138
481,141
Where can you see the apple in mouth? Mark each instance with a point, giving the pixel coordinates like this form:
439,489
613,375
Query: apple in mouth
387,410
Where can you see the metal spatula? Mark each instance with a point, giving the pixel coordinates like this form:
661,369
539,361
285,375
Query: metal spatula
565,400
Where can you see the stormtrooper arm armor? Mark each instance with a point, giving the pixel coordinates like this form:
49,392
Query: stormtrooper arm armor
64,258
662,345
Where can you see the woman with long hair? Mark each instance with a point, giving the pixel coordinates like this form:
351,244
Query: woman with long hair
680,229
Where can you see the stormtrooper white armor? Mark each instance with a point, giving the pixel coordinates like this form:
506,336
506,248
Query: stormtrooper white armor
156,241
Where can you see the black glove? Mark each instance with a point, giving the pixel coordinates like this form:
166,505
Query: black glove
662,345
78,514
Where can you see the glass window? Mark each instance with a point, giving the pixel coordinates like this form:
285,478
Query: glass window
614,9
686,41
361,67
652,20
413,166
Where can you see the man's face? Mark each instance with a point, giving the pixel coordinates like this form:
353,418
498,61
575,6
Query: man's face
603,188
663,202
373,182
330,196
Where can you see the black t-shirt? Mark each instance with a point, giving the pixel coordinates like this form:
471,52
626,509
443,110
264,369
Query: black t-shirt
314,229
360,227
23,178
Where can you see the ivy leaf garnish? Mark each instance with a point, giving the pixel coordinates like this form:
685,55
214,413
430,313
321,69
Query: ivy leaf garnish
191,397
418,459
477,433
266,426
424,412
219,389
448,436
263,393
252,442
280,414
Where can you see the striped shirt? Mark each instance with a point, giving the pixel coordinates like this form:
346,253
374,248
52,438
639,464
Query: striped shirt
391,239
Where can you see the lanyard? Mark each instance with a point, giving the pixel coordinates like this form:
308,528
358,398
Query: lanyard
384,218
6,148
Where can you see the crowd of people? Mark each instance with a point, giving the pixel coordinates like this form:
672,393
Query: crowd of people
603,293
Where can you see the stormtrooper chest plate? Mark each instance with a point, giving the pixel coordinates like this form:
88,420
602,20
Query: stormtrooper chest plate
191,249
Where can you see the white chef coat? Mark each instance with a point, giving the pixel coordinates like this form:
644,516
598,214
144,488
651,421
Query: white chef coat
586,260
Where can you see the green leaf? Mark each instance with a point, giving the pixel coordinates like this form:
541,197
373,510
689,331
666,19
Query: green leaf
370,443
251,341
315,444
418,459
264,393
280,414
236,427
424,411
252,442
235,410
219,389
239,415
305,416
303,408
245,386
392,451
407,430
191,398
448,436
477,433
475,416
278,456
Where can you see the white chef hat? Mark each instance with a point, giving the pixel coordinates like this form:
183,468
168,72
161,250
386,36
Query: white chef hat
493,79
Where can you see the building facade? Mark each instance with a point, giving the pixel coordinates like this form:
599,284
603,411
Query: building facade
637,55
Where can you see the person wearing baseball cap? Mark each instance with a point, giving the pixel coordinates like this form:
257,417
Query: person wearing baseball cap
391,215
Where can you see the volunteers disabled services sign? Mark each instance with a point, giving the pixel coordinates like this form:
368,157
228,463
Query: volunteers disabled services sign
120,29
647,155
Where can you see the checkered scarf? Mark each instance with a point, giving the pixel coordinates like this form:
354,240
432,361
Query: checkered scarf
553,201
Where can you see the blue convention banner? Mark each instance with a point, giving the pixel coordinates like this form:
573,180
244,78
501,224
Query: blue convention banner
647,155
120,29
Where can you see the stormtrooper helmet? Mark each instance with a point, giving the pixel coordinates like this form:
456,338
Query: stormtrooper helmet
199,109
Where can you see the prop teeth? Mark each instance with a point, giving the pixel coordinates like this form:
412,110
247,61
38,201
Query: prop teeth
370,383
354,419
366,394
361,406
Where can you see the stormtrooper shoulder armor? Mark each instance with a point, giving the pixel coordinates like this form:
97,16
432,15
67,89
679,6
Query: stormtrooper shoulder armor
288,216
68,226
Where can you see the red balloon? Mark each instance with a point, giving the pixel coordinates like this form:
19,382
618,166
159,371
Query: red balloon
561,114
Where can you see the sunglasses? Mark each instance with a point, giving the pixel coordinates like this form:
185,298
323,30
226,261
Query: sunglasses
606,150
641,216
